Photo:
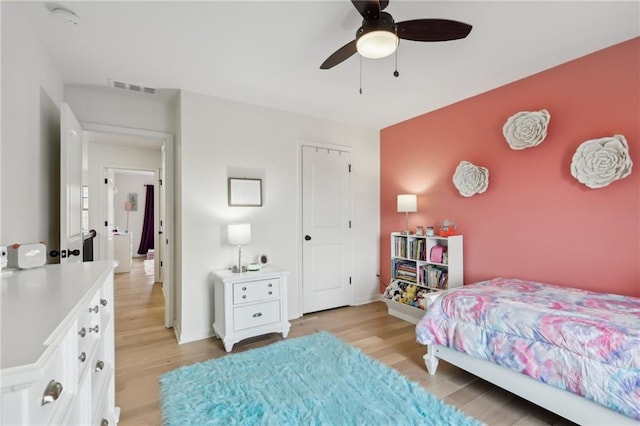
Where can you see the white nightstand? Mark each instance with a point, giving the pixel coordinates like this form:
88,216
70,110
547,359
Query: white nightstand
250,304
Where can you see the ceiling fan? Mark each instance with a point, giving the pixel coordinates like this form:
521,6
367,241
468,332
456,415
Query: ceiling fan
379,34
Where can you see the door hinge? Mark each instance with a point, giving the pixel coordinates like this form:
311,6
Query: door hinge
349,168
349,224
160,223
106,181
161,264
160,180
105,223
166,241
349,280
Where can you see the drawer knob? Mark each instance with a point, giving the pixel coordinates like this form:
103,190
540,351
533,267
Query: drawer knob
82,357
257,315
99,365
270,293
104,422
51,392
94,329
270,285
103,302
244,288
244,296
82,332
94,309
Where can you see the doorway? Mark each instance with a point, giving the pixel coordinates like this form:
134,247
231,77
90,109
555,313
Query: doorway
119,149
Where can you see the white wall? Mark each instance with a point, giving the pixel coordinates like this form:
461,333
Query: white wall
30,177
131,183
220,137
118,107
101,156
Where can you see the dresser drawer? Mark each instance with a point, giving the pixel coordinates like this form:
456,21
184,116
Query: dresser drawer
58,379
256,315
255,291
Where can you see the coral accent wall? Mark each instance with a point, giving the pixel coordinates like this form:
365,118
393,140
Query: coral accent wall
535,221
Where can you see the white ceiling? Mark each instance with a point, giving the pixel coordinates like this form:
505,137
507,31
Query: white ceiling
269,52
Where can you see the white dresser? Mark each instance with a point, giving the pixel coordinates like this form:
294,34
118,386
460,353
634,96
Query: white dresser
250,304
57,354
123,251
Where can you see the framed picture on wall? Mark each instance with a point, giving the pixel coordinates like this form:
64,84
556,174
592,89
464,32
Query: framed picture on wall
245,192
132,198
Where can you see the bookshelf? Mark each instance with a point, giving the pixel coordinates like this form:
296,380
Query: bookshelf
420,267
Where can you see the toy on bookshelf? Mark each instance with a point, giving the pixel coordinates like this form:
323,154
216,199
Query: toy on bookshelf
446,228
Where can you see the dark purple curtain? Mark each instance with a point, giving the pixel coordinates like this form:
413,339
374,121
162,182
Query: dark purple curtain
146,239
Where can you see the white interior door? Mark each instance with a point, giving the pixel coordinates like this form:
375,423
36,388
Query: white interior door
159,247
109,214
326,226
70,186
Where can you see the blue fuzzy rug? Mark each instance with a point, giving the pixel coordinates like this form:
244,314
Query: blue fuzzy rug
311,380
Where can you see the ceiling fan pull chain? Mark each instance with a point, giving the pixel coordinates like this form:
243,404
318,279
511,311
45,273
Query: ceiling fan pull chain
361,75
396,73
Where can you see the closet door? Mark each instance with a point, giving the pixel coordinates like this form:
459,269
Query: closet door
326,225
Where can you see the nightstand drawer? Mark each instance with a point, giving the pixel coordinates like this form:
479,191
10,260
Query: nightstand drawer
255,291
256,315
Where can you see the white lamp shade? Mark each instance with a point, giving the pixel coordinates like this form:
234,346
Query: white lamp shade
407,203
239,234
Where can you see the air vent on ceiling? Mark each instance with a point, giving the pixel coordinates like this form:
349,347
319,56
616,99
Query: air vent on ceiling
132,87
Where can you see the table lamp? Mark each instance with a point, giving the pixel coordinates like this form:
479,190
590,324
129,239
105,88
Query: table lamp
407,203
238,235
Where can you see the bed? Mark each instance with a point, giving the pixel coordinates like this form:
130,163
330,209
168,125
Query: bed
573,352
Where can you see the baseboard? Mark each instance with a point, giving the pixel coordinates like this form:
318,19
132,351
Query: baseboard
194,337
374,298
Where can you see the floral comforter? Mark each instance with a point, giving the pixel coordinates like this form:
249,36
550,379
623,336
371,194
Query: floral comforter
584,342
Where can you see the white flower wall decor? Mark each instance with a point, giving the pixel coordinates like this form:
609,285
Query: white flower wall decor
470,179
526,129
598,162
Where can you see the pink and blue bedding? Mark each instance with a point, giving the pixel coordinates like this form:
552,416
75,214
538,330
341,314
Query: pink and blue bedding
584,342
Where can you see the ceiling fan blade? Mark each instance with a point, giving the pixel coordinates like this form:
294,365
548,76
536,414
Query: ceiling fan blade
432,30
369,9
342,54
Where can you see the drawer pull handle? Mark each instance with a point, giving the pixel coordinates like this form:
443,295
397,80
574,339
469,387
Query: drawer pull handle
99,365
270,293
244,296
82,357
104,422
94,329
270,285
257,315
94,309
82,332
244,288
51,392
103,302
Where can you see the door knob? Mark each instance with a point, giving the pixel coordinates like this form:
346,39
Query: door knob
307,237
75,252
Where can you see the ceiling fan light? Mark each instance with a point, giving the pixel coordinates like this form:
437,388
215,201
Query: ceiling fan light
377,44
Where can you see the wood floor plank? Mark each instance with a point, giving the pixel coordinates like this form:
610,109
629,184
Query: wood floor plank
145,350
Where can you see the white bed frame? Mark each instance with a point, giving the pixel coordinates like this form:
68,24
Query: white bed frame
561,402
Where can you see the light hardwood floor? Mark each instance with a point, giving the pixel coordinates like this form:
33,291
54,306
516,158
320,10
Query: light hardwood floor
145,349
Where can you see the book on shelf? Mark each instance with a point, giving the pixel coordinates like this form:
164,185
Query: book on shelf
434,277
